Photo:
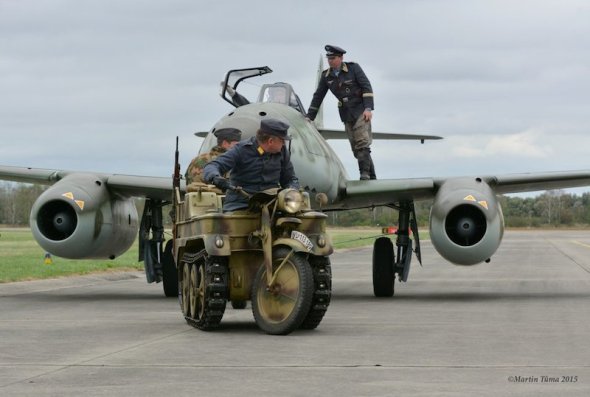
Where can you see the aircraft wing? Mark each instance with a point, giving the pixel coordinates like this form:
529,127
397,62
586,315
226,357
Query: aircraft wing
338,134
357,194
124,185
466,222
530,182
362,194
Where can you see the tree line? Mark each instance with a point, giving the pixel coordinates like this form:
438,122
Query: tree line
552,208
16,201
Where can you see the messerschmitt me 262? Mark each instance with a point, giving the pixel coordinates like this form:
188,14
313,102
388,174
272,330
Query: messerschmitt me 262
92,215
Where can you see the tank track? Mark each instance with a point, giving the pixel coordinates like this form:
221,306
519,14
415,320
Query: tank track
322,279
216,293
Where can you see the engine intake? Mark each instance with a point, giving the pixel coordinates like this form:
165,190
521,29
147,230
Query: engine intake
57,220
78,219
466,221
466,225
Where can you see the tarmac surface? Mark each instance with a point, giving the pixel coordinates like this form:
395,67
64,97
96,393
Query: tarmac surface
519,325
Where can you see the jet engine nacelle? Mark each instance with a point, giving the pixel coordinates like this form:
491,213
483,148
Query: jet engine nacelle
466,221
78,219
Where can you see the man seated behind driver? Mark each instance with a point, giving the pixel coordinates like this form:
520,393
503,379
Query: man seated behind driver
226,139
259,163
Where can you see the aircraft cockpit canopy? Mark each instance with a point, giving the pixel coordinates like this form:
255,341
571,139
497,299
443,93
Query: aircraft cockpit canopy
280,92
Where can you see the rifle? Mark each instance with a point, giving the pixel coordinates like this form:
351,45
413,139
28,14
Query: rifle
176,177
175,189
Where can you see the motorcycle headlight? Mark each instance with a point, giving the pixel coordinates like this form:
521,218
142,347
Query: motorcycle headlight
290,200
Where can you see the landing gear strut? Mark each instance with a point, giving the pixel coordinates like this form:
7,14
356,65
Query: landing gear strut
159,263
385,263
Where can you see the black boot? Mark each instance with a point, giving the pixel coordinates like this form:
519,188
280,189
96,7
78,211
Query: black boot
364,158
372,174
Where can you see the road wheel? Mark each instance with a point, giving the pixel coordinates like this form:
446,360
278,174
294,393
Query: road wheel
281,307
185,288
197,290
208,291
383,275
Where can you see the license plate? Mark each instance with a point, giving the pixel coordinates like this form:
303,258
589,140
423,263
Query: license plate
302,238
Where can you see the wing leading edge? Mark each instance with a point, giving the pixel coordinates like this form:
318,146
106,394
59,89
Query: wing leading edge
125,185
362,194
356,194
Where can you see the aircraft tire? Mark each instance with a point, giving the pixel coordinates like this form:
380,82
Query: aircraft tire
169,272
239,305
281,308
383,274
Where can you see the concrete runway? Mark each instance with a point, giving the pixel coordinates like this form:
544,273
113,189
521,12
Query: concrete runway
519,325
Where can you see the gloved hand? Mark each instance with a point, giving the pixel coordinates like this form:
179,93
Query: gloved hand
221,182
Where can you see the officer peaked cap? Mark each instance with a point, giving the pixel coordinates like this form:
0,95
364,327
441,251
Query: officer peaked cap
332,50
276,128
228,134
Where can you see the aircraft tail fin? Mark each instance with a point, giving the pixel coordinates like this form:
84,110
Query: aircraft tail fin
319,118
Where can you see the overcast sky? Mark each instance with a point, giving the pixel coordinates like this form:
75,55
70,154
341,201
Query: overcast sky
107,85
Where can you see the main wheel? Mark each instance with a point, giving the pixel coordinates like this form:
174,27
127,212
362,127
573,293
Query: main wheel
239,305
383,275
281,307
169,272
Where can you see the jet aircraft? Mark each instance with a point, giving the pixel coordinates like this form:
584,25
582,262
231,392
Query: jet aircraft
93,215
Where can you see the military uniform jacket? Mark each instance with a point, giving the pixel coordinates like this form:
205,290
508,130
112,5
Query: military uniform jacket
252,170
351,87
194,172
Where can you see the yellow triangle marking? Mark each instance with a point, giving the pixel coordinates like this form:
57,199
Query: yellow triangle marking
483,204
470,198
69,195
80,204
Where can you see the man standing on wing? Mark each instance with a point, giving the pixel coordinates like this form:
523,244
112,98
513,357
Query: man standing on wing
352,88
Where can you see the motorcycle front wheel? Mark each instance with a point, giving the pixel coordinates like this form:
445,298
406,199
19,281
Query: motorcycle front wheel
281,307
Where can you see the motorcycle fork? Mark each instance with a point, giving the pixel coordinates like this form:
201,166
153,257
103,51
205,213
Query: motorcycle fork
266,234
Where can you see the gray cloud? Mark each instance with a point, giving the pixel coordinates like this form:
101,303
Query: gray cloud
107,85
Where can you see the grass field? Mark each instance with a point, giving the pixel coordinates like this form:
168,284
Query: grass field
21,258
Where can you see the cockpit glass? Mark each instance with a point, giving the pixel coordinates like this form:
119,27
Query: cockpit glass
275,95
